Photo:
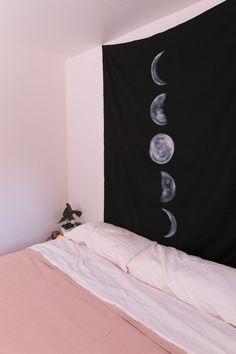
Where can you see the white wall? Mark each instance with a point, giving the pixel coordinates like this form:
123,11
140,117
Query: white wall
33,171
84,92
84,101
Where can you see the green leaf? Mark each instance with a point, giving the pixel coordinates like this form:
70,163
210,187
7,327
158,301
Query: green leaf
62,219
71,217
67,211
67,226
68,206
77,212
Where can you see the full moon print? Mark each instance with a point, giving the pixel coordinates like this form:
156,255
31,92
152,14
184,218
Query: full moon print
161,148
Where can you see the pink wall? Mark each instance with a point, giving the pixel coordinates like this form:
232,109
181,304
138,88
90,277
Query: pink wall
33,178
84,90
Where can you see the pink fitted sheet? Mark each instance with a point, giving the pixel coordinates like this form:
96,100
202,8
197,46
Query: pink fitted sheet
43,311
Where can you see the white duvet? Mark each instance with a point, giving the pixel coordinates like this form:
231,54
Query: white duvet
190,329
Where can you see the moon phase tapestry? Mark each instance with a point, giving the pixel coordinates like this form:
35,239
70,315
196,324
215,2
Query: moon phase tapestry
170,135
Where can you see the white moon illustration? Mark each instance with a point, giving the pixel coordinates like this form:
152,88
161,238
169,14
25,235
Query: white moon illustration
168,187
157,110
154,73
173,227
161,148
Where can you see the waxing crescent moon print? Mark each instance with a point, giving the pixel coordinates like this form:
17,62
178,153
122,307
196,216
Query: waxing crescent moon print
161,148
173,227
168,187
157,110
154,73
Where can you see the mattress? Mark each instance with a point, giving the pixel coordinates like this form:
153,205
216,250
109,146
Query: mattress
60,297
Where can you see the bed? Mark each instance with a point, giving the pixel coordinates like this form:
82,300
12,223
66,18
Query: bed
87,292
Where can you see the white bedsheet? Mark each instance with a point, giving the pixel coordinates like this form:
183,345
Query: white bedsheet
175,321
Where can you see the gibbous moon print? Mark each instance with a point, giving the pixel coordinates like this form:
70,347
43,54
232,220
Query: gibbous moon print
168,187
154,73
173,226
161,148
157,110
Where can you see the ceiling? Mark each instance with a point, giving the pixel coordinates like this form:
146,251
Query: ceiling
70,27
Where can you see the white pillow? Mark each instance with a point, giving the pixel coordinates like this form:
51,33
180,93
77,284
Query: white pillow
114,243
206,285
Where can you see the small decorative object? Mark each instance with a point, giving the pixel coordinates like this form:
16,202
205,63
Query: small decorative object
70,218
54,235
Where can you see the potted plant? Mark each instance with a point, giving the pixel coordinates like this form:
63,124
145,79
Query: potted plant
70,218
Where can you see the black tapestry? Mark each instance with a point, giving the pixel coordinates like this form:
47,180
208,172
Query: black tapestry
170,135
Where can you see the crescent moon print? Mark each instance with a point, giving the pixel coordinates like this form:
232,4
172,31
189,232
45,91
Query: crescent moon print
154,73
157,110
161,148
173,227
168,187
